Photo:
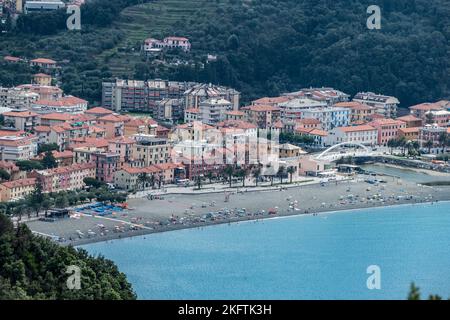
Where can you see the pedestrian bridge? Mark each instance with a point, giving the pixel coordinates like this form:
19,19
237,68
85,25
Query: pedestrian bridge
359,150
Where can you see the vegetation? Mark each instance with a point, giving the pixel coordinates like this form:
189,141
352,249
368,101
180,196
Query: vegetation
414,294
287,137
260,52
32,267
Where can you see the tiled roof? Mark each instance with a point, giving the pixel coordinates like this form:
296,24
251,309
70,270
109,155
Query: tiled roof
19,183
22,114
357,128
99,110
44,60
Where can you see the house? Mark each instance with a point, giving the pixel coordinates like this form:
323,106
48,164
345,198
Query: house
411,121
384,105
439,117
287,150
24,120
294,109
55,118
98,112
387,129
274,101
431,133
327,95
42,79
202,92
123,146
310,166
410,134
167,43
17,189
43,63
114,125
128,178
214,110
319,136
364,134
192,115
235,115
420,110
152,151
12,59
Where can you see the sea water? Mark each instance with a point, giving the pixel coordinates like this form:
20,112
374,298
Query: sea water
302,257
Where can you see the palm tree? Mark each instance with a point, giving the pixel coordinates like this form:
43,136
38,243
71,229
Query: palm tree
281,172
429,145
392,143
291,170
210,176
443,140
257,174
142,179
242,173
229,172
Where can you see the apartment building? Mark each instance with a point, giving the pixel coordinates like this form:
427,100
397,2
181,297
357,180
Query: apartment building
65,178
384,105
67,104
262,116
420,110
13,148
411,121
330,117
359,112
388,129
24,120
327,95
439,117
42,79
213,110
431,132
294,108
152,151
364,134
198,93
17,189
17,98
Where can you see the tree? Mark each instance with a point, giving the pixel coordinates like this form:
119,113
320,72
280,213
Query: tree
4,175
210,176
49,161
92,182
257,174
429,118
443,140
281,172
229,172
46,147
291,170
29,165
62,201
242,173
36,198
142,180
429,144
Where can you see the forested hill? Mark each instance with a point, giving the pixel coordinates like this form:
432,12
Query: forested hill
32,267
264,47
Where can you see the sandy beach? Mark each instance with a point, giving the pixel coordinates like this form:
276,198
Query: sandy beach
193,211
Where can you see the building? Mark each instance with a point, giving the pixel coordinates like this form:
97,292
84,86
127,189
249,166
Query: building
387,129
122,146
98,112
152,151
330,117
198,93
235,115
67,104
13,148
262,116
294,108
140,96
364,134
44,63
319,136
359,112
106,164
24,120
169,110
192,115
17,189
420,110
411,121
439,117
113,124
42,79
128,178
51,119
14,171
17,98
44,92
384,105
272,101
310,166
214,110
65,178
167,43
409,133
431,133
42,6
329,96
288,150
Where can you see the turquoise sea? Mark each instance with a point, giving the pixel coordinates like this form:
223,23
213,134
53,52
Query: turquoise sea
302,257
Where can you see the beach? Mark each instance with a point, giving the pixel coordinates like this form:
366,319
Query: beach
180,211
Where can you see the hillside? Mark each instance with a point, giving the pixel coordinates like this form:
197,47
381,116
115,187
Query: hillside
265,47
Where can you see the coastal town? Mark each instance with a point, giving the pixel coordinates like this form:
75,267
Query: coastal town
158,139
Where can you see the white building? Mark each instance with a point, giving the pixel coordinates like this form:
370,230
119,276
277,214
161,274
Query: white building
365,135
329,117
214,110
293,109
37,6
385,105
182,43
17,98
328,95
13,148
68,104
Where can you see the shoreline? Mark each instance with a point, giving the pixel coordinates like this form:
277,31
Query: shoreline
144,232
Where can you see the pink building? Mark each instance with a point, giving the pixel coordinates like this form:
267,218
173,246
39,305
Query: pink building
106,164
122,146
388,129
65,178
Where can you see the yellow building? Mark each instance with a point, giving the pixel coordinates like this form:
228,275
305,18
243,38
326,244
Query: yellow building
152,151
42,79
17,189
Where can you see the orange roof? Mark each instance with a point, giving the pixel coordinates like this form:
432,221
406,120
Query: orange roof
272,100
99,110
235,113
111,118
44,61
11,58
4,133
42,129
57,116
122,139
353,105
69,169
357,128
312,131
409,130
19,183
8,165
409,117
384,121
64,101
237,124
427,106
308,121
192,110
261,108
22,114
